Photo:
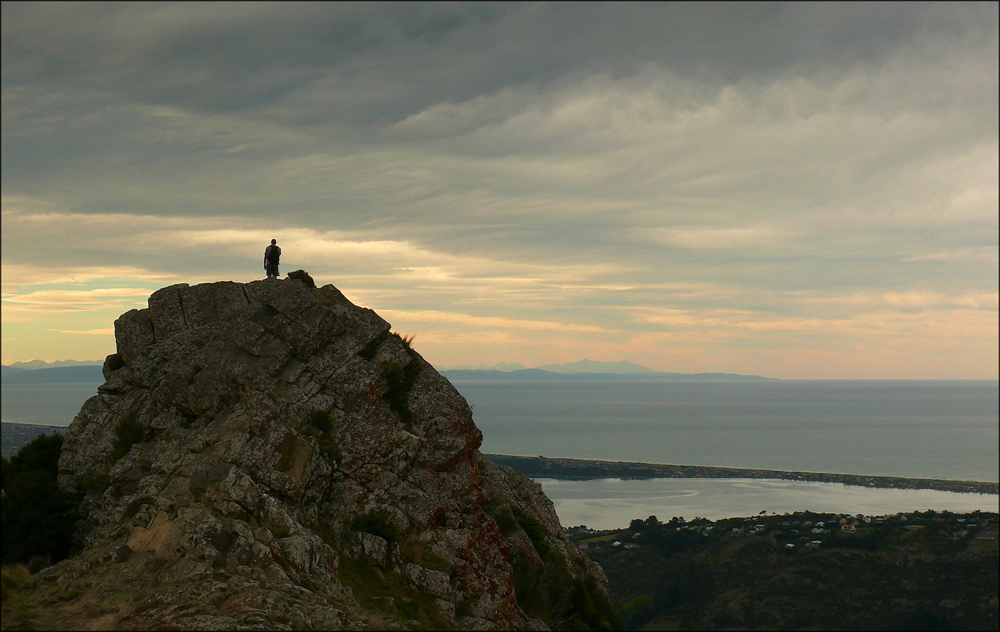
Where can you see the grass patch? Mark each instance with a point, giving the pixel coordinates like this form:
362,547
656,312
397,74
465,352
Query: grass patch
602,538
386,594
505,520
422,556
501,514
535,531
12,577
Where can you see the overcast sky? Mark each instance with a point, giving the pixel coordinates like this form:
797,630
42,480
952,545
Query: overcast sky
790,190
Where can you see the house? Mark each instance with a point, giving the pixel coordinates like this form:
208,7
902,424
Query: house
630,545
817,530
848,528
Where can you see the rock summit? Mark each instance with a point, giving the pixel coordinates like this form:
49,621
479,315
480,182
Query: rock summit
268,455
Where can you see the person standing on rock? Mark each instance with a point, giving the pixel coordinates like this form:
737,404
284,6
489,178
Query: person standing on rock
271,256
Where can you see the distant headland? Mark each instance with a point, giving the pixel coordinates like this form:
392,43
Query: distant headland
17,435
582,469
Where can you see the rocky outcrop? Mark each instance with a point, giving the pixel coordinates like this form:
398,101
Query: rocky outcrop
269,455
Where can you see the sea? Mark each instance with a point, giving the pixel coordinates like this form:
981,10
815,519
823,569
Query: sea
914,429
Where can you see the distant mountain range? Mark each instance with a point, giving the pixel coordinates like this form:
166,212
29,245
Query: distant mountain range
68,371
538,374
584,369
33,365
583,366
88,373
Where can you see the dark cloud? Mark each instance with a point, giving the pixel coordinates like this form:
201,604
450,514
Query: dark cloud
225,57
516,160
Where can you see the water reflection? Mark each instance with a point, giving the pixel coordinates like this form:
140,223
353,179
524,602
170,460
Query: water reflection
613,503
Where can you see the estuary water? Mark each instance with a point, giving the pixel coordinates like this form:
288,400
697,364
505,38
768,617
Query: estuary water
613,503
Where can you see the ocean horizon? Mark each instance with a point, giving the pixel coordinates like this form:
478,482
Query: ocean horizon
912,429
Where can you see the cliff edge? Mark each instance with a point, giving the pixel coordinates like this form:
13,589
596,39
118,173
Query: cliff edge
270,456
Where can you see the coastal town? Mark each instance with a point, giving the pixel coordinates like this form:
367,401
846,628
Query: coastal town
803,529
802,570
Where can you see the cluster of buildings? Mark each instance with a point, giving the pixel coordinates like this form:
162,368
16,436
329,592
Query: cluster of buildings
807,530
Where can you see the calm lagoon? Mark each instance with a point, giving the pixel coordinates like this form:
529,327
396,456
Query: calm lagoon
613,503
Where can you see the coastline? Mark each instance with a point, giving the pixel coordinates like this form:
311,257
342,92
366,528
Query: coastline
583,469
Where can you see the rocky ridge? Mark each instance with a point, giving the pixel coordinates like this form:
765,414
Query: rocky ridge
269,455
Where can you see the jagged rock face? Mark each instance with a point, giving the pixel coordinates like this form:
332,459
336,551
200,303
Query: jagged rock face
270,455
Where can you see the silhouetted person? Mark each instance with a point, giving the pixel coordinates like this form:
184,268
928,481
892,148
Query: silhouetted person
271,256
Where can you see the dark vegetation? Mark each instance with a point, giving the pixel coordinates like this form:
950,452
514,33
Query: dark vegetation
383,591
128,432
399,378
320,426
377,523
37,519
924,571
548,591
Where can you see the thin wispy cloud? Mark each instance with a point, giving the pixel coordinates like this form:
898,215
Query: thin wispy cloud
91,332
